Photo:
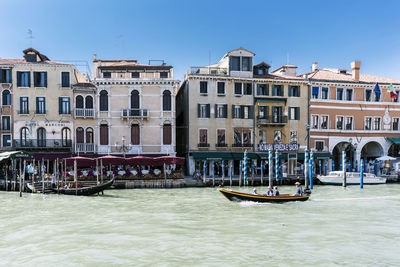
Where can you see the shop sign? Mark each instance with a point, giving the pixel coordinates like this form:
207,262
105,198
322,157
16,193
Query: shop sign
278,147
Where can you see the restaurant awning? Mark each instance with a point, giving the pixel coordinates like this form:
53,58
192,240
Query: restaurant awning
14,154
395,140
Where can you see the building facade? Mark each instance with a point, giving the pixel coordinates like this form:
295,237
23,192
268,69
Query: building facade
6,107
352,112
136,108
231,107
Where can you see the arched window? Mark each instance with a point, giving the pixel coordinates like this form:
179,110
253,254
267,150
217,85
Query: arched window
24,136
66,137
79,101
135,134
89,102
41,137
89,136
167,100
6,101
103,100
103,134
135,103
80,135
167,134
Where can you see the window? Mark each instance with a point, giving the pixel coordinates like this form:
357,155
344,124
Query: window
294,113
324,93
41,137
103,100
262,136
221,111
315,92
164,74
246,64
294,90
203,110
24,136
260,71
23,79
368,95
6,98
314,121
395,124
349,94
220,88
167,132
135,102
65,80
339,122
324,122
5,76
137,75
247,89
242,137
6,123
203,137
236,112
203,87
79,101
377,123
23,105
135,134
6,140
66,137
88,102
238,89
64,105
103,134
167,100
262,89
40,79
220,137
277,114
349,123
339,94
319,145
368,123
80,135
277,90
40,105
235,63
107,75
263,112
89,136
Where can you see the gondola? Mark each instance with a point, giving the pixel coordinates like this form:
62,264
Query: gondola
84,190
38,188
238,196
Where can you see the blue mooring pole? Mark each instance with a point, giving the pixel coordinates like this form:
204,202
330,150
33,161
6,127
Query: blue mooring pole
276,166
326,167
344,168
362,173
306,168
333,165
320,167
311,169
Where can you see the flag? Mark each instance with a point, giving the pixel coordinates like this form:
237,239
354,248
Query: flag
393,93
377,91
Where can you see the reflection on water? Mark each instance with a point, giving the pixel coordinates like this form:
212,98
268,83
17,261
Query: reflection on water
198,226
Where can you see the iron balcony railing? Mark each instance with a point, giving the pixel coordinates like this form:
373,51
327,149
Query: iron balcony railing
85,147
45,143
84,113
135,113
274,119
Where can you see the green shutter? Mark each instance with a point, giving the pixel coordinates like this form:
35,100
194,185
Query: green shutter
298,113
225,111
215,111
18,79
198,110
251,112
37,105
59,106
208,111
233,111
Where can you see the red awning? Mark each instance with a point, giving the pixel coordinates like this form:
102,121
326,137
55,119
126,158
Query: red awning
113,160
171,160
142,160
80,161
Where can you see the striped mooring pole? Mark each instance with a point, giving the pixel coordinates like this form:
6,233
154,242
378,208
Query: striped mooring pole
245,168
270,164
306,169
276,166
362,173
311,169
344,168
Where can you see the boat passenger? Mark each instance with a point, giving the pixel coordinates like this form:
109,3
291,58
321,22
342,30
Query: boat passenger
270,192
255,191
276,192
299,189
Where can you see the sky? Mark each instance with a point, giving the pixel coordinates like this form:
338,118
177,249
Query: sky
197,33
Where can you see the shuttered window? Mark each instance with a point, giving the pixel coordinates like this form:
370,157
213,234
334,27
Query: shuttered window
65,81
167,138
80,135
167,101
40,79
135,134
89,102
79,101
104,134
103,101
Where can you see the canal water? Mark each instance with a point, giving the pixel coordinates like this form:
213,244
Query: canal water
199,227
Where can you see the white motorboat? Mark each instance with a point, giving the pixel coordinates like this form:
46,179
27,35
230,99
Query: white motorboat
352,178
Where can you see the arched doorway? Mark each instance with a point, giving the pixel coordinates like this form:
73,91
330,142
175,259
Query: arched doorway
371,151
394,150
337,155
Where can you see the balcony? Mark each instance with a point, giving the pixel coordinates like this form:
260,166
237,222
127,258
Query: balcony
46,143
84,113
203,145
85,148
242,145
272,120
135,114
208,71
219,145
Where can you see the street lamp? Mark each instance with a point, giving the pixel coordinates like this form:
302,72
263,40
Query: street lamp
124,148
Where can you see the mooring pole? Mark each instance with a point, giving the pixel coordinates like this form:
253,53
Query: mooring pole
240,173
270,167
344,168
213,172
23,177
230,172
101,170
42,173
362,173
6,177
223,171
262,171
311,169
14,166
253,166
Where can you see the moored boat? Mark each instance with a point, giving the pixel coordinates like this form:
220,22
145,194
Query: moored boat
84,190
352,178
239,196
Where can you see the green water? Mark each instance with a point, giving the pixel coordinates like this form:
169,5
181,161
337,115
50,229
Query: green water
199,227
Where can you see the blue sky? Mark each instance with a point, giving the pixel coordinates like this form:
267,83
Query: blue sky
194,33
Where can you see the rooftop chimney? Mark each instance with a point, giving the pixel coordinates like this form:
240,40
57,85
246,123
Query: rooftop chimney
94,57
314,66
355,70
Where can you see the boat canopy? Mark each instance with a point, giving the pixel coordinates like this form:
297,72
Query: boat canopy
14,154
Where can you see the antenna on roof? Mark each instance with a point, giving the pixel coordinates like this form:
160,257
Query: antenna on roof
30,36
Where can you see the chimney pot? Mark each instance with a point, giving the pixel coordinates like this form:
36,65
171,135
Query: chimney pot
94,57
355,70
314,66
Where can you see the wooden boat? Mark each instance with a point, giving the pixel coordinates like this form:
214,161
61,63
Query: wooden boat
84,190
238,196
38,188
